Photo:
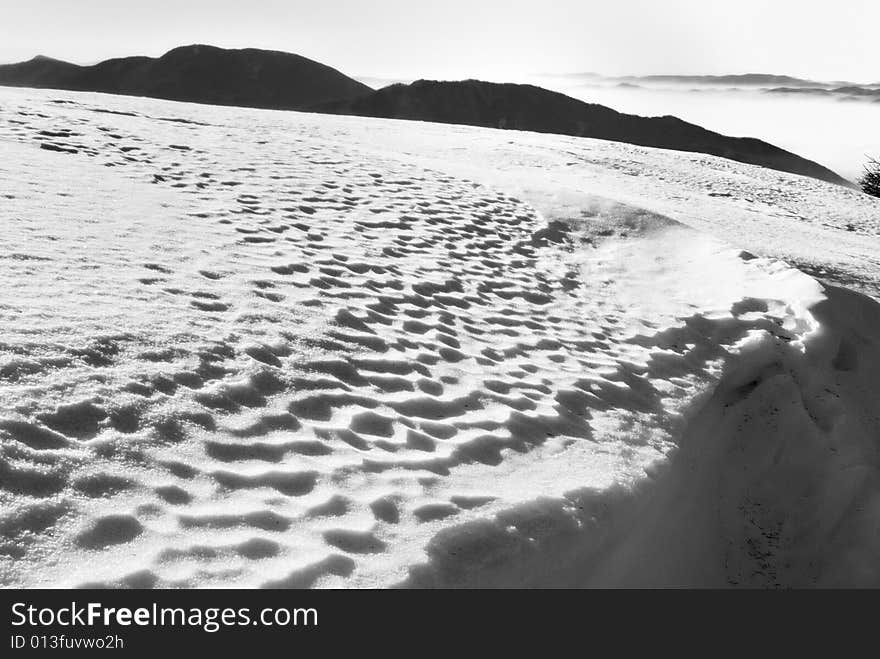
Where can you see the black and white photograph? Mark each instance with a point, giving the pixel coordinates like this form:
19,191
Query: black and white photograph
438,295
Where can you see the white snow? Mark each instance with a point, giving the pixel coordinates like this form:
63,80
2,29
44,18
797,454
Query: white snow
252,348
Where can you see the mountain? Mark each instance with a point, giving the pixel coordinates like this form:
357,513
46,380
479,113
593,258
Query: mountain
283,81
744,79
41,71
526,107
198,74
731,80
845,92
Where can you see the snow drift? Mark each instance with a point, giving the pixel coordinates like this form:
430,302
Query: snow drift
252,348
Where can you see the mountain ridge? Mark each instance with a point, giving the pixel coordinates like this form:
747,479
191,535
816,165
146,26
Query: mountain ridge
527,107
198,73
270,79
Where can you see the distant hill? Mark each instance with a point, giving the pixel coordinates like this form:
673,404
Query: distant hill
744,80
283,81
198,74
727,80
526,107
846,92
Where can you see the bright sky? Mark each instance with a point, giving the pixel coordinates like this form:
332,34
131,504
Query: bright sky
498,39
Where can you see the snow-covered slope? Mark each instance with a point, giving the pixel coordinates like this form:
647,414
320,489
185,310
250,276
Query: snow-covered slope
251,348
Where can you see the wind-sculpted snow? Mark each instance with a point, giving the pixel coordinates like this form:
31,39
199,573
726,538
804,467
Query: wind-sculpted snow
269,349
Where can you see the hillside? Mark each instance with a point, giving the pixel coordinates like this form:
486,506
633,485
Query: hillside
276,80
198,74
526,107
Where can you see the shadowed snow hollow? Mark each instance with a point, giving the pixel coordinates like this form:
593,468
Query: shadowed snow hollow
251,348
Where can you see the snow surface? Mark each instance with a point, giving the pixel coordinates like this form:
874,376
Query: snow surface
254,348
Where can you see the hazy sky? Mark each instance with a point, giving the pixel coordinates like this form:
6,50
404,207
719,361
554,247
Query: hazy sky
499,39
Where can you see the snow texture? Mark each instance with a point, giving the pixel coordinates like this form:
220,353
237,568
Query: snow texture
252,348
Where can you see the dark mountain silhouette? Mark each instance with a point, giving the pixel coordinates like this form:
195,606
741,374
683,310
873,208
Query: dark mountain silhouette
39,72
525,107
277,80
199,74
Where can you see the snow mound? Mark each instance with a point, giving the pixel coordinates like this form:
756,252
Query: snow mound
249,348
